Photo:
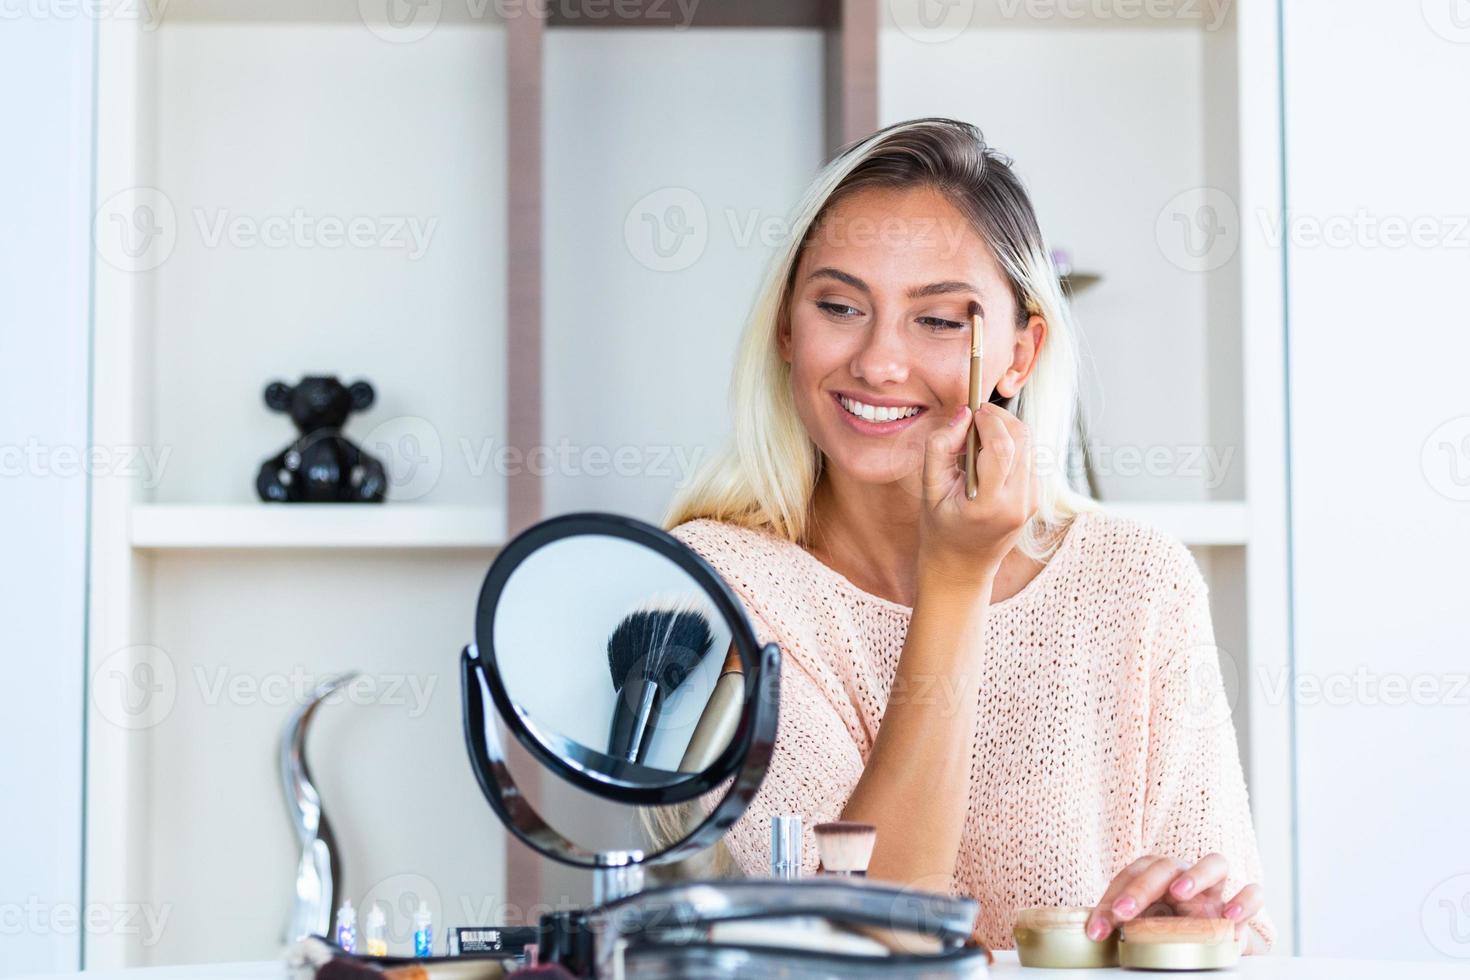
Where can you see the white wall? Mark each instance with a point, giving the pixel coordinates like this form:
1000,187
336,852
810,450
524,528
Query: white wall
649,131
1380,432
45,196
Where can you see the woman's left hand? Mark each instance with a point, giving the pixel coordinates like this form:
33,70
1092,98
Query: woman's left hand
1175,889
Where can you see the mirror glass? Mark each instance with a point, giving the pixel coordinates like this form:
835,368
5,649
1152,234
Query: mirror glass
610,652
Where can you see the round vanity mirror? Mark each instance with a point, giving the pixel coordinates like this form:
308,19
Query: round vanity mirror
624,664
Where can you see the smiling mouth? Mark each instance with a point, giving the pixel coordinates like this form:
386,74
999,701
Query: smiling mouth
878,414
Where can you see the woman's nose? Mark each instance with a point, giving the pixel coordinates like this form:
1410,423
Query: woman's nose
883,357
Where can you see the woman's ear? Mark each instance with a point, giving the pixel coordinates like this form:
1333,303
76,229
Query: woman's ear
1029,340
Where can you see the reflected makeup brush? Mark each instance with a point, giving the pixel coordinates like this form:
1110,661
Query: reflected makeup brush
977,370
649,654
721,716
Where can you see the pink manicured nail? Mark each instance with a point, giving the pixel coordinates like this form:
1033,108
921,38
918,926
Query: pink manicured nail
1096,930
1124,906
1232,911
1183,887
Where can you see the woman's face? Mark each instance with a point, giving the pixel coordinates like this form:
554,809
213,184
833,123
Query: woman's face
877,326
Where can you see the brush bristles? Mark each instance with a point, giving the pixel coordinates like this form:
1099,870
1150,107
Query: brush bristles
845,846
662,640
977,330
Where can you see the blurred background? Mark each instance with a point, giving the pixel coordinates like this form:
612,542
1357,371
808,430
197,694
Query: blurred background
537,228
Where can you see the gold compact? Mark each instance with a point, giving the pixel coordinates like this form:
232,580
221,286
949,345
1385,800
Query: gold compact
1164,943
1057,939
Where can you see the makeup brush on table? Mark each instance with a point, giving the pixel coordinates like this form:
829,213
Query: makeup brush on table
649,654
977,371
845,846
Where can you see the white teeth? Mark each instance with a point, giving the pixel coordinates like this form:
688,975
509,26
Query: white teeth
875,413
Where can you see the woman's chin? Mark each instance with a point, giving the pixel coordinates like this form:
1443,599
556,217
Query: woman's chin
880,466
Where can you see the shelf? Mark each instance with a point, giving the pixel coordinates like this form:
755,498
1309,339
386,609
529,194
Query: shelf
262,526
1203,524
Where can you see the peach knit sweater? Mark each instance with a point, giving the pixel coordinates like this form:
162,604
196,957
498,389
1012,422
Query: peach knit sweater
1103,731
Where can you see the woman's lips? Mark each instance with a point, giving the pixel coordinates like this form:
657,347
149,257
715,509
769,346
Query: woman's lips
874,427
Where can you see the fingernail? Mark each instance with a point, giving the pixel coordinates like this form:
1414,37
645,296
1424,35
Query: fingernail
1233,911
1124,906
1096,931
1183,887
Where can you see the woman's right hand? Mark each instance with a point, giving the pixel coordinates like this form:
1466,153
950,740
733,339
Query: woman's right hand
962,541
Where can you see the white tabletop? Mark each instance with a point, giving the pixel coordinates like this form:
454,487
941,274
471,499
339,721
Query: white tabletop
1252,967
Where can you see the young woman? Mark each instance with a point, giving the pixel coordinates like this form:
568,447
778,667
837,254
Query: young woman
1020,690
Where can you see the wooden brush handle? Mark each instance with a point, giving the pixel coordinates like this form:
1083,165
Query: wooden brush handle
720,718
972,440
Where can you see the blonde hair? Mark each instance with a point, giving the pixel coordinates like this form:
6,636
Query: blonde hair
766,476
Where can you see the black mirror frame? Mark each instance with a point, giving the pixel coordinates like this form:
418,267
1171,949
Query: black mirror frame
745,758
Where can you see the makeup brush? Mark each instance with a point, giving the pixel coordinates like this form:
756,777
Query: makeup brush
977,370
845,846
649,654
720,718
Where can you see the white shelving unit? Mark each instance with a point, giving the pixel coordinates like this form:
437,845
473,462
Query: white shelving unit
243,113
170,527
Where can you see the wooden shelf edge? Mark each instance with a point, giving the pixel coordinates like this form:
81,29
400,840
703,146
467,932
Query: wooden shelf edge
257,527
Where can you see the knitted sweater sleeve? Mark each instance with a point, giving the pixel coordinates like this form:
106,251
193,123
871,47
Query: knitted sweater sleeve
1195,800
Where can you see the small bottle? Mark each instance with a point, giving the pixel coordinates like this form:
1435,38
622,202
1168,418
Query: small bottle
377,927
347,927
423,931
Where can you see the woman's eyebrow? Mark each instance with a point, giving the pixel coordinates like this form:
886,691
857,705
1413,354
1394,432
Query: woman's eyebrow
918,292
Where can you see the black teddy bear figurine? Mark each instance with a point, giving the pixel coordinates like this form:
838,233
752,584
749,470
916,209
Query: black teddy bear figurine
322,465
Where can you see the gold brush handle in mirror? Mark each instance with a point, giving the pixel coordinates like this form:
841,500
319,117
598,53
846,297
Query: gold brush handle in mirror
721,716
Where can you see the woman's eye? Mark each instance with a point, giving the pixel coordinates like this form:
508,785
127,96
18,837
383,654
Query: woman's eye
939,324
838,309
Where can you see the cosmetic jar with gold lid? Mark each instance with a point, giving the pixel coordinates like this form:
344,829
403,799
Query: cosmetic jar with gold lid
1056,938
1166,943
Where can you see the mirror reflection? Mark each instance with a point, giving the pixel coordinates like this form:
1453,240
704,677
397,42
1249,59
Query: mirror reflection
610,653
